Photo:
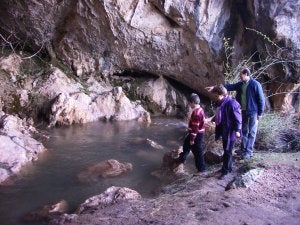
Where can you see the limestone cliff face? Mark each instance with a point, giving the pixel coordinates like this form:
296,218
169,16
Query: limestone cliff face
178,39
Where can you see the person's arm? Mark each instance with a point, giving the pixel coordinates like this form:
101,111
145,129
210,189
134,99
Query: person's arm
237,118
260,101
194,126
232,87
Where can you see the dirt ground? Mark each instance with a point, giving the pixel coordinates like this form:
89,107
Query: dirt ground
274,198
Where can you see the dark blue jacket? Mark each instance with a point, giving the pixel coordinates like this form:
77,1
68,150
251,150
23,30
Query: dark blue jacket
254,96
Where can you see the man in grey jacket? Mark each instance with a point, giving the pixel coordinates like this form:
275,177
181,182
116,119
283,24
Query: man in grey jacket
250,95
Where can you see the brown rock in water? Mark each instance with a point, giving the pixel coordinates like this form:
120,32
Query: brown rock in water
47,212
108,168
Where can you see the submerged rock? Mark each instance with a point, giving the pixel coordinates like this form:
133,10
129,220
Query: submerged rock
154,144
108,168
47,212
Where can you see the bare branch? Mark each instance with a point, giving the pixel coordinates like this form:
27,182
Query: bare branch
28,57
284,92
9,43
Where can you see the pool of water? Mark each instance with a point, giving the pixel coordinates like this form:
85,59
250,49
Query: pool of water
72,149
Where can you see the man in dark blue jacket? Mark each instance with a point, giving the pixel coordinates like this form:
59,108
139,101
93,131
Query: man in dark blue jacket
228,121
250,95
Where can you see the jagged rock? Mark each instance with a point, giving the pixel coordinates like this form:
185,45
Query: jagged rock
4,173
157,94
57,82
108,168
287,100
245,180
11,64
122,40
71,104
111,196
17,147
178,39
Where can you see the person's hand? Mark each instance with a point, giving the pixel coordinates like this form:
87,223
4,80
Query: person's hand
259,117
238,134
206,120
192,142
209,89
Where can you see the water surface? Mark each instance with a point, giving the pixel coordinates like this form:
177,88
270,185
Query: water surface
72,149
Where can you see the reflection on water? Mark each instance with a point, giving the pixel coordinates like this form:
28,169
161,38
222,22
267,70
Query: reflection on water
73,149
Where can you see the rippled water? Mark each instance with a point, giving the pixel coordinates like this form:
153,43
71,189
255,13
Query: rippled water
73,149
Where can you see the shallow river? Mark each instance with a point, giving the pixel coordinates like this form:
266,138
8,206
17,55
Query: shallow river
72,149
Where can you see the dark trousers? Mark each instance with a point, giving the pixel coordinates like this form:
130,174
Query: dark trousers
227,156
197,149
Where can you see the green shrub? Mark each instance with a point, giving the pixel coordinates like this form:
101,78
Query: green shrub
278,133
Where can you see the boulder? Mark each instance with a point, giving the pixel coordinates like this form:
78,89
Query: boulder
17,147
108,168
11,64
215,155
245,180
171,166
157,94
69,104
111,196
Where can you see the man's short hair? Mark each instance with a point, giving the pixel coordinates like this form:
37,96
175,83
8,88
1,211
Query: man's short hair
246,71
194,98
219,90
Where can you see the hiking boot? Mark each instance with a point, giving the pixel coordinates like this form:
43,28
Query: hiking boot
247,156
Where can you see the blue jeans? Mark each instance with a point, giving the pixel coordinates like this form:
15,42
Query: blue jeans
249,130
197,149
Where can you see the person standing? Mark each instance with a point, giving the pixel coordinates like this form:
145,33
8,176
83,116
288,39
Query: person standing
228,121
250,95
194,139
